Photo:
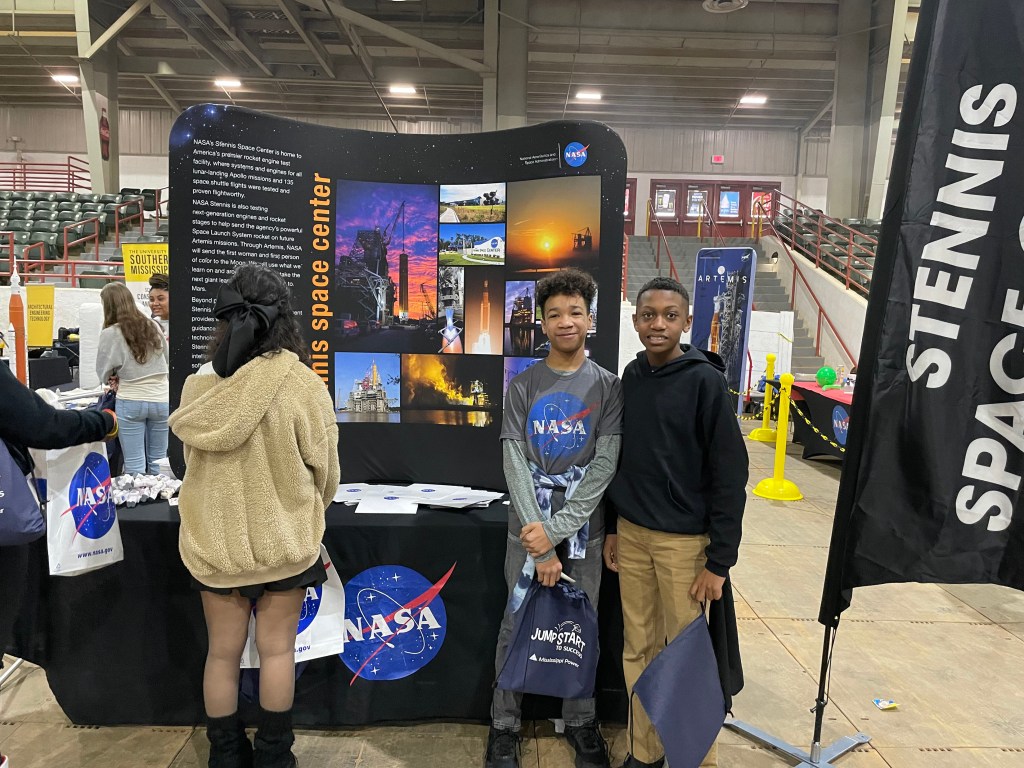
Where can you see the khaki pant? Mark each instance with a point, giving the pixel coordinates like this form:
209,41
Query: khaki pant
656,570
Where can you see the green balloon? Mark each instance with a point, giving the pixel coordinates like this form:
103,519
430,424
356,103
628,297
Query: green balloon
826,377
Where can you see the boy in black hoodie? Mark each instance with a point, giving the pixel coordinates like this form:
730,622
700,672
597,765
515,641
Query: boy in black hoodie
676,504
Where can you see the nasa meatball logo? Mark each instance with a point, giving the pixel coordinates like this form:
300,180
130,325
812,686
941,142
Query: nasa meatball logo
840,424
395,622
310,607
89,496
559,425
575,154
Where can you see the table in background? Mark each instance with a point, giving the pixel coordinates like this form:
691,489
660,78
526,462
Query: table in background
829,411
127,643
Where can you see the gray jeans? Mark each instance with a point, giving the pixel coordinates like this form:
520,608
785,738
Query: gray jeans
506,706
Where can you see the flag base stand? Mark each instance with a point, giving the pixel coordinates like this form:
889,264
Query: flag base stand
778,489
763,435
818,757
8,673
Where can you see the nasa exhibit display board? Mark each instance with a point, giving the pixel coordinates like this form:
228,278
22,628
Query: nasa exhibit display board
723,297
413,262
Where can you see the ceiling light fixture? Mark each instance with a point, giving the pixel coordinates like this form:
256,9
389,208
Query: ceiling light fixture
402,90
754,100
66,79
588,95
227,82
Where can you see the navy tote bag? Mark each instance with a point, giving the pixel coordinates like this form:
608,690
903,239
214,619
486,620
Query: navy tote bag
21,519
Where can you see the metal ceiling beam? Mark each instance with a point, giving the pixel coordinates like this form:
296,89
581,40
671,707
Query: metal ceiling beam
165,67
37,7
291,10
115,29
809,125
163,93
197,37
357,45
216,11
386,30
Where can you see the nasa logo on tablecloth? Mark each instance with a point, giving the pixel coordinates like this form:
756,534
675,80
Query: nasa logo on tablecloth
840,424
89,496
395,622
559,425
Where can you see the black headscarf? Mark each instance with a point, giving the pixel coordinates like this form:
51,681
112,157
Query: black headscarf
247,322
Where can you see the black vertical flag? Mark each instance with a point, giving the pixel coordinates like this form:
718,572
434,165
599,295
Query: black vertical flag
931,489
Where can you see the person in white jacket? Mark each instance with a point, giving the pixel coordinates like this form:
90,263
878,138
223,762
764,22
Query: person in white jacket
132,352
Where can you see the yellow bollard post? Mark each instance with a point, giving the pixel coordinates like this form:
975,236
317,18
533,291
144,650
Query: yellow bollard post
778,487
764,433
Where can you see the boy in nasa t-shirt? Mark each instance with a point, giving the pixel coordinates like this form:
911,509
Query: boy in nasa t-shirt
560,445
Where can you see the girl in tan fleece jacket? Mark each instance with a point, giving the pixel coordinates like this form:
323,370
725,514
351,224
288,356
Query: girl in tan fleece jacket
261,448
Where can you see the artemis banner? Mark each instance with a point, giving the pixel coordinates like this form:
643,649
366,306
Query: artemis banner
931,486
413,262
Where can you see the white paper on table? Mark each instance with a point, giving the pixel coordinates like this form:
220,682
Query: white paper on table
350,492
467,499
428,493
386,505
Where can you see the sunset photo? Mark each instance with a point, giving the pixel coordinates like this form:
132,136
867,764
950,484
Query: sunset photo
552,224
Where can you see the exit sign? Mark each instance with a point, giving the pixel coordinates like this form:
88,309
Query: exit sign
718,159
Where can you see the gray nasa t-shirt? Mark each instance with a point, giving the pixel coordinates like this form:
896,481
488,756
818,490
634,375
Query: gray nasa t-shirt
558,417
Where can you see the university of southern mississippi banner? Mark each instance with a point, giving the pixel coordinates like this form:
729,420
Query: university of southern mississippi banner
723,294
931,486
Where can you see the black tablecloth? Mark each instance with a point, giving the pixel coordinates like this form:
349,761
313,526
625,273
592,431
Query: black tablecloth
820,409
126,644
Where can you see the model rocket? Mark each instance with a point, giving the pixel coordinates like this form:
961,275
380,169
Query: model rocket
482,346
17,339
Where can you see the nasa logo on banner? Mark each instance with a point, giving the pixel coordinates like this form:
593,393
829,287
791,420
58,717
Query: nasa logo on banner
395,622
82,533
558,425
840,424
575,154
321,629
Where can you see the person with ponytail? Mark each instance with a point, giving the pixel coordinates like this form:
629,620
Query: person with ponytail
261,450
132,355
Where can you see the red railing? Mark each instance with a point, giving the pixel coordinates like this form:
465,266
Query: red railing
160,201
22,249
651,216
94,237
69,176
73,270
822,315
119,220
855,270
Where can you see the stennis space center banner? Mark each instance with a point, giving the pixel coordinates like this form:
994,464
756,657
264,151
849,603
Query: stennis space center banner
931,487
413,262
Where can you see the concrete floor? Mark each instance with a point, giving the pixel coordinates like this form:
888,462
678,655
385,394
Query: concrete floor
951,657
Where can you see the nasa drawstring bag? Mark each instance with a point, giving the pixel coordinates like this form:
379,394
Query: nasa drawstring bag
82,533
553,650
321,630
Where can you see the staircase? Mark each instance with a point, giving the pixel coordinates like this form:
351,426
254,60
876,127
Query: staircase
769,293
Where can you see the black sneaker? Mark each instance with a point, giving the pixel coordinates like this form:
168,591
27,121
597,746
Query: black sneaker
590,746
632,762
502,749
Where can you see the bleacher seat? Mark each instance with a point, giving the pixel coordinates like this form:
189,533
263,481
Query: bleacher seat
91,206
66,197
19,214
46,205
44,215
14,225
23,196
6,195
130,191
90,278
24,205
49,239
69,206
109,199
47,226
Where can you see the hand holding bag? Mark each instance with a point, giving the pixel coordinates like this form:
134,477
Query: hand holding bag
554,648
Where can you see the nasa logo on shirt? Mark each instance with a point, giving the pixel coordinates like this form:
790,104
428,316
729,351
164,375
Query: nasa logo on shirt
89,497
559,426
395,622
